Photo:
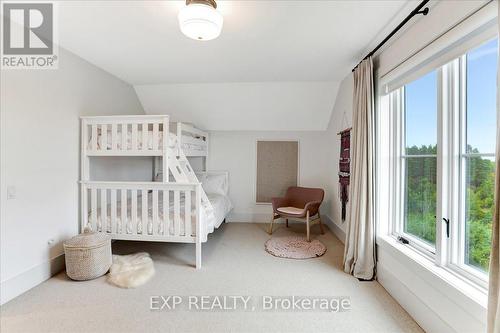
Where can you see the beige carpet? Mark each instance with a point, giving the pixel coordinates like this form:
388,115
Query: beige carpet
234,263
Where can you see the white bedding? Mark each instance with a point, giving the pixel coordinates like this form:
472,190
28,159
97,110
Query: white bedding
222,206
172,141
220,203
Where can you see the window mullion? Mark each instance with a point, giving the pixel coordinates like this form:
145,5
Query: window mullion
458,235
459,248
455,158
399,146
445,105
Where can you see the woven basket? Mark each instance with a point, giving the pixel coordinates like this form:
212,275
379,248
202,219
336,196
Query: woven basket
88,255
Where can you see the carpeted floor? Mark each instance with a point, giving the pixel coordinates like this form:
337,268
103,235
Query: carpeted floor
234,263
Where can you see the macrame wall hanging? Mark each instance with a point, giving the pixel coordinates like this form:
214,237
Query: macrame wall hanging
344,168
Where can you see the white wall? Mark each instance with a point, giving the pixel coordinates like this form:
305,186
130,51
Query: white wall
135,169
236,153
40,144
341,119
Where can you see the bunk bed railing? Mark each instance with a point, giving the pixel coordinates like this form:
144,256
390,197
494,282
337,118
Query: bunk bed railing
193,141
125,135
144,210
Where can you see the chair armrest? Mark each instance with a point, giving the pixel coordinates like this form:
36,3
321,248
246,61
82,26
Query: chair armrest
279,202
312,207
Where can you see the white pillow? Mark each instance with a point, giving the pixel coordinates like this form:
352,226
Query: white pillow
215,184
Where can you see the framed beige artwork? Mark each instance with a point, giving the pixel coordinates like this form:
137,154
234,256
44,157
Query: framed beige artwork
277,168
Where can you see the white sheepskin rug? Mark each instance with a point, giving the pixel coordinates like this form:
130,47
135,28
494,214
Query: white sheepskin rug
131,271
294,247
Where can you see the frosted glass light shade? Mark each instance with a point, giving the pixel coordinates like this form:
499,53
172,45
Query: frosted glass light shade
200,22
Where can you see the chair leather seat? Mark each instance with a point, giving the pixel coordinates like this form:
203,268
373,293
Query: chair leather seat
291,211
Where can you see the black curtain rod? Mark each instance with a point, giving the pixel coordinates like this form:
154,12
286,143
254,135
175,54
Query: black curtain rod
417,11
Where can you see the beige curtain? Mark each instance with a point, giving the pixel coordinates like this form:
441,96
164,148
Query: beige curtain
359,253
494,291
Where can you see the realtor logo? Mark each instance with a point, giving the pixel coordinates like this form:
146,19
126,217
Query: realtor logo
28,35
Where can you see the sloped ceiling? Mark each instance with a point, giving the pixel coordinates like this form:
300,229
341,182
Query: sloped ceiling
276,65
244,106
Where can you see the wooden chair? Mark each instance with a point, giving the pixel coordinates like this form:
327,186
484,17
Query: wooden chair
299,203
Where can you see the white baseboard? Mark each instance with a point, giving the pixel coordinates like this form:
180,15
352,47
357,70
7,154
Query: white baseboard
23,282
337,231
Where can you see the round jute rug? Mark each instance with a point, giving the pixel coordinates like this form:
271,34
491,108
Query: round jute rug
295,247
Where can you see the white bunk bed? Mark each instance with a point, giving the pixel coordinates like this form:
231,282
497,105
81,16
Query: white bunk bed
175,207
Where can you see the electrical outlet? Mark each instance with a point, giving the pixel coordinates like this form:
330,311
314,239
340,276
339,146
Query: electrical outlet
11,192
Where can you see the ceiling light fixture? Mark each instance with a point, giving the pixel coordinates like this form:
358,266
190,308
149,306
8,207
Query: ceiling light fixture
200,20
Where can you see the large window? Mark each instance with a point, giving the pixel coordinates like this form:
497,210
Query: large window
443,148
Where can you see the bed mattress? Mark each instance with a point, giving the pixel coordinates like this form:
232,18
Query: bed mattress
221,207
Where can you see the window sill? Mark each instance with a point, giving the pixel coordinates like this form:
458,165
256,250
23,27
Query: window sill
468,295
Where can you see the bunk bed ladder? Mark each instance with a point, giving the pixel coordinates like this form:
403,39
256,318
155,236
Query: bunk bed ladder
182,172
